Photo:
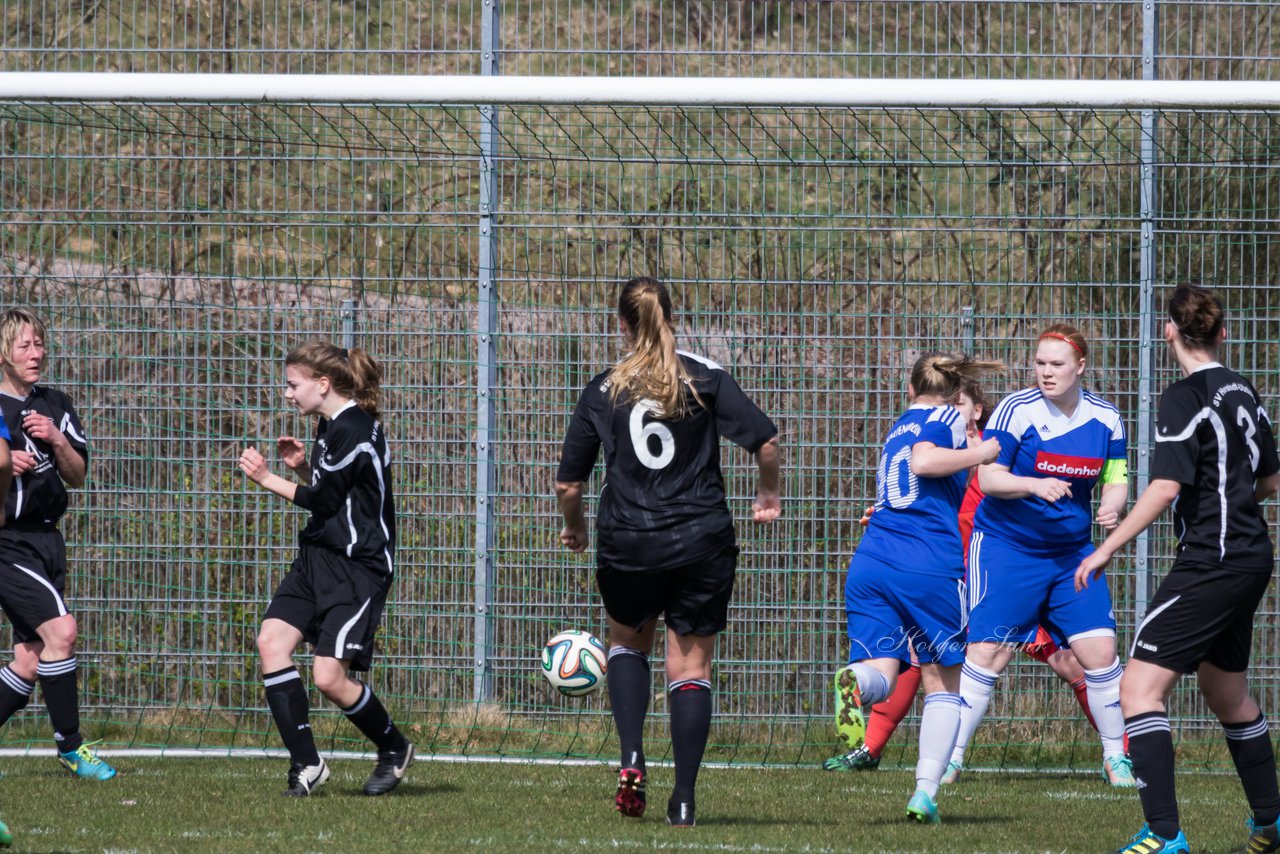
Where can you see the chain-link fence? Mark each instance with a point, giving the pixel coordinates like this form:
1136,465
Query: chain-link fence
178,252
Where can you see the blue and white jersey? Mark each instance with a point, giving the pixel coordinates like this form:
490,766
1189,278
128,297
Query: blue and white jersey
1037,440
914,524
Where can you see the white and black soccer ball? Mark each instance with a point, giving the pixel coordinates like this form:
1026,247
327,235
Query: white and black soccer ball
574,662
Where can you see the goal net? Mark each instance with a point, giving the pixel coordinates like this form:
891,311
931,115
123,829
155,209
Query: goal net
181,233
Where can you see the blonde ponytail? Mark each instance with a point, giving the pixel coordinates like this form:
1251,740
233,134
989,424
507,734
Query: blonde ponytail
652,371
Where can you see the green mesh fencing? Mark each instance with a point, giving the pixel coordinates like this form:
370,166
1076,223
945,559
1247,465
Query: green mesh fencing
179,252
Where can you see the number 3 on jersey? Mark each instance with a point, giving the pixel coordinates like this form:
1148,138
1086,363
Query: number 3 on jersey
897,486
642,434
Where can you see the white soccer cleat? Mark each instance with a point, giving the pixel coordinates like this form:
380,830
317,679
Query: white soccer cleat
305,779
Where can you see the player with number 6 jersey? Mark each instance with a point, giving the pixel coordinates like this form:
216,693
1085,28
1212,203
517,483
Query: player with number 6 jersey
665,536
904,590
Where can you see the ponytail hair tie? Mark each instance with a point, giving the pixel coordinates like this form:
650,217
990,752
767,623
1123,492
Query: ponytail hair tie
346,353
1061,337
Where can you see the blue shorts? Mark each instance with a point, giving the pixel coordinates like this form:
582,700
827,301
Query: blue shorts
891,610
1012,592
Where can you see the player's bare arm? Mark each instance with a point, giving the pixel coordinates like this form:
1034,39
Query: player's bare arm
1157,498
929,460
573,535
254,466
998,481
768,503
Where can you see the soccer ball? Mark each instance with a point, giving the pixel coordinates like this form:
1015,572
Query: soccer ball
574,662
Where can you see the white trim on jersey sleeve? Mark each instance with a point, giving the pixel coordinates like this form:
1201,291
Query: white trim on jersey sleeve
1014,406
1105,413
950,417
702,360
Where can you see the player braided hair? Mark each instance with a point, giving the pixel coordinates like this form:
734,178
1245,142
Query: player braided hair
652,371
1068,333
944,375
11,323
353,373
1197,313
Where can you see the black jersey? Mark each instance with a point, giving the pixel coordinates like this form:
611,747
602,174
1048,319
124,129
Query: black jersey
1214,438
38,498
662,503
350,499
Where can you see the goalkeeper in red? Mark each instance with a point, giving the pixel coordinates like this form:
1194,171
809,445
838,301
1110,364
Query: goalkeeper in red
1215,461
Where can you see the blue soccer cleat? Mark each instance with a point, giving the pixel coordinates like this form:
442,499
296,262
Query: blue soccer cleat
851,726
85,762
922,808
1146,842
1263,838
1118,771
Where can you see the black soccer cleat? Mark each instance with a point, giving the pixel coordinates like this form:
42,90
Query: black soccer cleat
389,771
305,779
680,814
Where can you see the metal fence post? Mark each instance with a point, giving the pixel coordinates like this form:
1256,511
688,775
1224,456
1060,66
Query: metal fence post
347,314
486,368
1147,271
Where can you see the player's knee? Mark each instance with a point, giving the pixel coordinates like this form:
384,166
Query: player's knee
26,661
59,636
330,677
273,645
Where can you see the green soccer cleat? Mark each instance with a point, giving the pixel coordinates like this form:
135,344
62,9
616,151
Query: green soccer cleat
922,808
855,760
1263,838
85,762
1118,771
6,838
952,774
1146,842
851,726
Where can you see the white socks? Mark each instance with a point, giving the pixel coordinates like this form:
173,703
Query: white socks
938,727
1103,689
976,686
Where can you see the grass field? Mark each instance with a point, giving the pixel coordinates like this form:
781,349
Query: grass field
234,805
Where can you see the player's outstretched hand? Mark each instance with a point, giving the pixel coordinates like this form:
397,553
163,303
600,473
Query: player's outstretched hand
766,507
574,539
292,451
1051,489
23,461
1090,568
253,465
1108,517
990,450
866,515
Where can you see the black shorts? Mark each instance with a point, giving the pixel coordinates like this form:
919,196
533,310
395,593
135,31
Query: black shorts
1201,612
693,598
33,576
335,602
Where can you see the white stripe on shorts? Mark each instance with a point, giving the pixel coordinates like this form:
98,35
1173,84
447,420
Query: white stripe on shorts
62,606
340,645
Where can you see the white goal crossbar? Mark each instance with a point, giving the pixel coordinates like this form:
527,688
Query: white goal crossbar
637,91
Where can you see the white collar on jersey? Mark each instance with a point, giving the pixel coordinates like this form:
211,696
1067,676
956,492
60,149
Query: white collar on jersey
1206,366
